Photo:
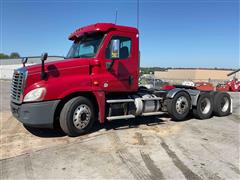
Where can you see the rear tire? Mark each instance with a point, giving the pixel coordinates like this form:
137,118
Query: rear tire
179,106
77,116
204,107
222,104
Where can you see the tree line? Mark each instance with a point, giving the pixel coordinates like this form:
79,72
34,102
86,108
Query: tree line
151,70
13,55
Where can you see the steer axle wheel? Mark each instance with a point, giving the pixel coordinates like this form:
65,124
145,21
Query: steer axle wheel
204,107
178,107
77,116
222,104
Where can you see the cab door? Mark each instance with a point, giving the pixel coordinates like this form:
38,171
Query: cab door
122,76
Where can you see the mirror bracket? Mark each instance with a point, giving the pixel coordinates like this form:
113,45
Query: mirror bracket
24,61
109,65
43,73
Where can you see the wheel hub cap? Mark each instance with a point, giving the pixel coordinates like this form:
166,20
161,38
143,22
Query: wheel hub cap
205,105
81,116
181,105
225,104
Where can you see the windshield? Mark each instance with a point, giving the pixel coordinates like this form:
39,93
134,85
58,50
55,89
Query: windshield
85,46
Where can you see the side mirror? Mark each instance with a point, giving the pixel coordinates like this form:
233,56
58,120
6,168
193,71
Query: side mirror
115,49
44,56
24,61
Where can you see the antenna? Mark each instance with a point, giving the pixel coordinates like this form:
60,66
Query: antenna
137,13
116,16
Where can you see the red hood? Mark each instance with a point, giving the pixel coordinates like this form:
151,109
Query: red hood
56,71
57,65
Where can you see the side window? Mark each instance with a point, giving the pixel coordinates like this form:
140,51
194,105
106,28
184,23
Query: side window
125,47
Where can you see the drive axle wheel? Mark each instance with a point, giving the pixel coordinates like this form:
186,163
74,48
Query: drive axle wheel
222,104
77,116
204,107
178,107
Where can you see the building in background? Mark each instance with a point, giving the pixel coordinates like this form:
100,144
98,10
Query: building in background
234,74
195,75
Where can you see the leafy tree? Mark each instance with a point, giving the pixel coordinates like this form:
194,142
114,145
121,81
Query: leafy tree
14,55
3,56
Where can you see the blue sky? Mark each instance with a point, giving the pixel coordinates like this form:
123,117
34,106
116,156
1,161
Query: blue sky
173,33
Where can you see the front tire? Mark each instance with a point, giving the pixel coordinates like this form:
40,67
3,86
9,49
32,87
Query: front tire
77,116
179,106
204,107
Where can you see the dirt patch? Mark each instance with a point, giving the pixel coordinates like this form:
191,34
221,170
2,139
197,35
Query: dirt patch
138,139
163,130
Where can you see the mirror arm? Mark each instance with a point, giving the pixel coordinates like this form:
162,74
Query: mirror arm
111,64
43,73
24,61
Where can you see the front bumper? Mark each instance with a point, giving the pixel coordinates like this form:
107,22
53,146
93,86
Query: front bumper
38,114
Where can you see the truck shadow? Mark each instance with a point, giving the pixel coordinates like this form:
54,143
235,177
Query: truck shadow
108,125
133,123
116,125
44,132
189,117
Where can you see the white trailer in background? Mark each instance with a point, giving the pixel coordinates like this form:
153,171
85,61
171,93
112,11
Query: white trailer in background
7,66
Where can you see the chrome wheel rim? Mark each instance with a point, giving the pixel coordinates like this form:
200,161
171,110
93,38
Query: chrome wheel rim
81,116
181,105
205,106
225,104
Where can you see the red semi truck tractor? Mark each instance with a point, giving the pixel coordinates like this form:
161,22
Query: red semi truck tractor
98,81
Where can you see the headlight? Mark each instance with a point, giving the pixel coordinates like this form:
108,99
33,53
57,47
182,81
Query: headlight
35,95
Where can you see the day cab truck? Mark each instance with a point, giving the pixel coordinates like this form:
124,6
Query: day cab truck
98,81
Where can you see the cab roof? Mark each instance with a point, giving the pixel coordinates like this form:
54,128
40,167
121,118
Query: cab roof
102,27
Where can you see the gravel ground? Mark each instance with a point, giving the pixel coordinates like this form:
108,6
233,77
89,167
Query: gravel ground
146,148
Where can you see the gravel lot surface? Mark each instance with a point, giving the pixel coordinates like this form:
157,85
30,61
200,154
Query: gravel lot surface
144,149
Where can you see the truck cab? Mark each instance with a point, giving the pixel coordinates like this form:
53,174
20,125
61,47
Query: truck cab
97,81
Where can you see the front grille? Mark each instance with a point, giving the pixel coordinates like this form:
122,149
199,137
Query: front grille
17,87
